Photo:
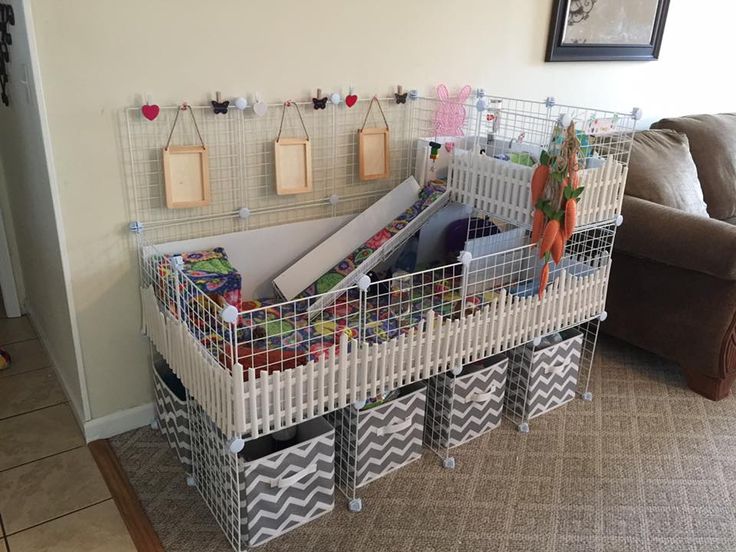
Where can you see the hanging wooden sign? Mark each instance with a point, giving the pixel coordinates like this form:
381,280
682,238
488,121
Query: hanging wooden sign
373,150
293,160
186,171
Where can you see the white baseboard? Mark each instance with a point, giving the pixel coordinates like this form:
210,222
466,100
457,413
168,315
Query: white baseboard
119,422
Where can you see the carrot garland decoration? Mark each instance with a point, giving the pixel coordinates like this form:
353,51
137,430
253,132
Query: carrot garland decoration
543,279
555,191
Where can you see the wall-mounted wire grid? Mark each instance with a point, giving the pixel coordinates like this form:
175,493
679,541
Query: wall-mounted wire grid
240,146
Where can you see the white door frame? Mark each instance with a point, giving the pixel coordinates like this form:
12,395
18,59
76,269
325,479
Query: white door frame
8,290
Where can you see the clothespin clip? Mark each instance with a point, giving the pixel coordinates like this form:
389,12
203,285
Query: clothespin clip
319,102
400,95
218,106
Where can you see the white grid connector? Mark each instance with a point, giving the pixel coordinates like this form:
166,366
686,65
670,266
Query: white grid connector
413,94
229,314
550,102
465,258
619,220
244,213
176,263
602,317
236,445
637,113
334,199
457,370
136,227
364,283
335,98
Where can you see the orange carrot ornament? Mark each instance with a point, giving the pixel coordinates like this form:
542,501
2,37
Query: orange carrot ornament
549,236
537,225
558,247
571,196
539,181
544,276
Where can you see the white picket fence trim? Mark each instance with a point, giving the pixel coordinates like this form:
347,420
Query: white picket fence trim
353,371
502,188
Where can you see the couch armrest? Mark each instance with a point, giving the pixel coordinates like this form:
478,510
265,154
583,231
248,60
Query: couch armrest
676,238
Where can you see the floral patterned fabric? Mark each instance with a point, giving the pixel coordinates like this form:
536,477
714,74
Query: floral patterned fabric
211,271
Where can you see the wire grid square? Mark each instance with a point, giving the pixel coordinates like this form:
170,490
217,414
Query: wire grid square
440,390
181,298
219,477
345,422
284,335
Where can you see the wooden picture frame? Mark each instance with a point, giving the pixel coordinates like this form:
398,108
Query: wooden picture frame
293,166
373,153
186,176
560,49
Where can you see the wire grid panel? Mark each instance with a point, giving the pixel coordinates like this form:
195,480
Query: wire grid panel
590,331
187,302
371,443
218,478
548,373
241,157
461,407
495,175
510,125
186,327
545,376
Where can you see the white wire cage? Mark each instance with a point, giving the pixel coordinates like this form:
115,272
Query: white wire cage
264,365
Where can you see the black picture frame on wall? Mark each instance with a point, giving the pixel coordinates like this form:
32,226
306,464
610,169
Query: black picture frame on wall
557,50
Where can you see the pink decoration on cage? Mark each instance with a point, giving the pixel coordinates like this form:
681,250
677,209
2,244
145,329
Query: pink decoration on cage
451,113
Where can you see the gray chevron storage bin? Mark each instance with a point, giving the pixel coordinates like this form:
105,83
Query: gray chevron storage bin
371,443
543,378
172,411
271,487
461,408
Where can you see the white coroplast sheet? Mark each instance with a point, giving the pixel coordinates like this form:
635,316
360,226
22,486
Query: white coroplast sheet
339,245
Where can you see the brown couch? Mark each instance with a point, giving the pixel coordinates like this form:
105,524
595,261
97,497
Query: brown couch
673,280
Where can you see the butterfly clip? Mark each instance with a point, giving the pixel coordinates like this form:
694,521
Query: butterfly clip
400,95
218,106
319,102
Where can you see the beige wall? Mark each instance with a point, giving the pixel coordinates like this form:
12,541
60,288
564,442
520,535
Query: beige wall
97,55
29,207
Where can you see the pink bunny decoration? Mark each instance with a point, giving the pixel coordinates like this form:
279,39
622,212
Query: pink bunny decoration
450,115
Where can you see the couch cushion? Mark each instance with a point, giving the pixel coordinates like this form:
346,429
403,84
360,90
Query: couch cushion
713,145
661,170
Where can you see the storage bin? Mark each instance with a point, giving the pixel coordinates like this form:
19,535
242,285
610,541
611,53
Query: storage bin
461,408
373,442
172,411
543,378
271,487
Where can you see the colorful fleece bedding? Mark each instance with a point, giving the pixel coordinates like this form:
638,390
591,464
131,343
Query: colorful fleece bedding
277,336
427,196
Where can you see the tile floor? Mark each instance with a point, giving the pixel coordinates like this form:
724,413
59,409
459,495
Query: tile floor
52,496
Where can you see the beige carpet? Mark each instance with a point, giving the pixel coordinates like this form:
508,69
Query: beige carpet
647,466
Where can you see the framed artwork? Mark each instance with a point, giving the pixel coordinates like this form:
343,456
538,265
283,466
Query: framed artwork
293,158
606,30
373,153
186,176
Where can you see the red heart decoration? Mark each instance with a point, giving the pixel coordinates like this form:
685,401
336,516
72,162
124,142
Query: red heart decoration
350,100
150,112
